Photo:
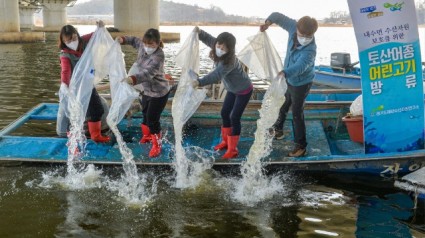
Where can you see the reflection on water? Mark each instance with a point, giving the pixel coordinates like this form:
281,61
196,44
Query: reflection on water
318,206
305,209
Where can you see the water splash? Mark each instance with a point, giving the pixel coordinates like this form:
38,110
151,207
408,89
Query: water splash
185,102
191,162
255,186
77,98
85,178
135,194
81,176
77,141
181,165
131,187
313,198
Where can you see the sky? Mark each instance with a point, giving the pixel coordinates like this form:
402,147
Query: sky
318,9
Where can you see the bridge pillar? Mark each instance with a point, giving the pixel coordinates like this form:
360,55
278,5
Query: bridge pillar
54,15
9,16
9,25
26,15
136,15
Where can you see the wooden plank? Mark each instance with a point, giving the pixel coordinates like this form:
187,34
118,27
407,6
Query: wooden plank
316,139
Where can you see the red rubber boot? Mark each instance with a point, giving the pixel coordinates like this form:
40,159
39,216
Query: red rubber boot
156,145
95,135
147,137
232,151
225,131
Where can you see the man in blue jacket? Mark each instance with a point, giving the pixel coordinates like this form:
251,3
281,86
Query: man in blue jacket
298,69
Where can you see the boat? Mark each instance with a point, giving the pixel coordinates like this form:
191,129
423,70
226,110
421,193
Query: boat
413,182
341,73
330,148
337,77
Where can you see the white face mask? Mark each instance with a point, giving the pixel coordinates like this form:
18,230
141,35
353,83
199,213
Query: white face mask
304,40
73,45
219,52
150,50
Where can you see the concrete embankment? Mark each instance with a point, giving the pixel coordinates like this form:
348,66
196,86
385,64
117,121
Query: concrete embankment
21,37
166,37
38,34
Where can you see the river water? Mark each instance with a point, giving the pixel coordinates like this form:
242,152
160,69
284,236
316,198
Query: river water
322,205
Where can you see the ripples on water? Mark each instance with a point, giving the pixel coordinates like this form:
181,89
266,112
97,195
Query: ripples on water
304,209
34,200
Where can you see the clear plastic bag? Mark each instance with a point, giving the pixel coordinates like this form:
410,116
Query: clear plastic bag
62,119
261,57
80,90
122,94
185,102
135,70
188,55
63,98
90,64
187,99
99,51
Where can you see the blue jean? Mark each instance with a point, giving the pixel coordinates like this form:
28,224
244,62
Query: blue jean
232,110
295,96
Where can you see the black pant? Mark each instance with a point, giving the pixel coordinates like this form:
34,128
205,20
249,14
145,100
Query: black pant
152,109
95,109
295,96
232,111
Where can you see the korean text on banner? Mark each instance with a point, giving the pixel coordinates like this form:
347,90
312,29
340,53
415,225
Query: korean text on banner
389,52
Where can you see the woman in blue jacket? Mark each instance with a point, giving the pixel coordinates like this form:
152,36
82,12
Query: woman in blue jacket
298,69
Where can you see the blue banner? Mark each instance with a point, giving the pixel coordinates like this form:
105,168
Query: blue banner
390,61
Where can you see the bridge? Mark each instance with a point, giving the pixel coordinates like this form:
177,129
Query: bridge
17,17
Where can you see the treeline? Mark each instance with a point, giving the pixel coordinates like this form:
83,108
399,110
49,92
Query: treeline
170,12
94,7
183,13
338,17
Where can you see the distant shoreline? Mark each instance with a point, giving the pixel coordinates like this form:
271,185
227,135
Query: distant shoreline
250,24
235,24
90,22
